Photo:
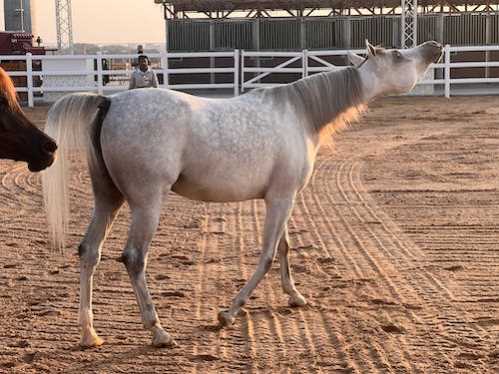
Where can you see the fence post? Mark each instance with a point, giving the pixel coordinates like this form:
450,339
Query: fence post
164,67
305,63
100,85
447,70
236,72
242,71
29,76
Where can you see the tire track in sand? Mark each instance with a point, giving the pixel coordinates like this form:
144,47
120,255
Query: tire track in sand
362,355
448,325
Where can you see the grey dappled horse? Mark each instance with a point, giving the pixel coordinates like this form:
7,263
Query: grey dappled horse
143,143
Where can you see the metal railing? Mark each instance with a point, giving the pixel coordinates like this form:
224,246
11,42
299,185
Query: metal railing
238,71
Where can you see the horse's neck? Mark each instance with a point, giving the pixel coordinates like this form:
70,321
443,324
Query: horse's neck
370,83
328,101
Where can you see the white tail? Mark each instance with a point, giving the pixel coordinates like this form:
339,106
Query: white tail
70,122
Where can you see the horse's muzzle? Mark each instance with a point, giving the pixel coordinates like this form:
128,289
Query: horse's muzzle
46,158
432,51
50,146
40,165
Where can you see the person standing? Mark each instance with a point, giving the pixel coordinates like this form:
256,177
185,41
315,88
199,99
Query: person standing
143,76
140,51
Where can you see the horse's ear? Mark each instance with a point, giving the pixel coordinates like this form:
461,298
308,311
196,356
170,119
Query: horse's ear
354,59
371,50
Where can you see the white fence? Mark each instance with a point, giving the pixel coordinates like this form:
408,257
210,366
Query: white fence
438,80
242,70
73,73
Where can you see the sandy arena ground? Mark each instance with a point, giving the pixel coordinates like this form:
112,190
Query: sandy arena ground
395,248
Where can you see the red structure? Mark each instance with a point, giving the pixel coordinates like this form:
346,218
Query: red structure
19,43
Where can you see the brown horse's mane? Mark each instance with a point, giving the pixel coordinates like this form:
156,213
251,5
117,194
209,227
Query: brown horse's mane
8,90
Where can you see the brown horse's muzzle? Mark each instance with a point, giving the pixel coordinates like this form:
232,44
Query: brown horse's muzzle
45,157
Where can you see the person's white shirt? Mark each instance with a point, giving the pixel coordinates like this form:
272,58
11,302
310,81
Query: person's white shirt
143,79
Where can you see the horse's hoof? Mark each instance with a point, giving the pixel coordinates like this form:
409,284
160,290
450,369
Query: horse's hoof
297,301
90,340
225,318
161,339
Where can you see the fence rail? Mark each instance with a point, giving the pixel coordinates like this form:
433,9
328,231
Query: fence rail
237,70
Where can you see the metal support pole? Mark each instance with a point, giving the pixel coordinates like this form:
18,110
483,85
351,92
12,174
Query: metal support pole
447,70
487,42
64,24
100,85
256,39
303,33
212,49
242,71
409,23
164,67
305,63
236,72
346,32
29,76
440,28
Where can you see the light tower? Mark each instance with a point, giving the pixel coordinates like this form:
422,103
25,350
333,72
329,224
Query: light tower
64,24
409,23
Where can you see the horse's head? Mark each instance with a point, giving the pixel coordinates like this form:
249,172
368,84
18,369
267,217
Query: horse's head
20,139
393,71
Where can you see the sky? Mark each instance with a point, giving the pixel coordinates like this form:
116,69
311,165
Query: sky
101,21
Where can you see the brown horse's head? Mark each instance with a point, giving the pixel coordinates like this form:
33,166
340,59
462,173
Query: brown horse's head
20,139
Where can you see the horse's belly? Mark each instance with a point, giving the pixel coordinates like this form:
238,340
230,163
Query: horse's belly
218,190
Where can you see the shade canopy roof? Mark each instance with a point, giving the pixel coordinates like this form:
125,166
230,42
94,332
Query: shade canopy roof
232,5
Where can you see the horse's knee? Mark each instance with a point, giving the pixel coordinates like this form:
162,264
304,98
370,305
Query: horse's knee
267,263
134,261
88,255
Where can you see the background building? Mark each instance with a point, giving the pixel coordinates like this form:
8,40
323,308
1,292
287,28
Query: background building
17,14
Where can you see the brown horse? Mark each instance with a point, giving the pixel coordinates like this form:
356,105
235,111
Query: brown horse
20,139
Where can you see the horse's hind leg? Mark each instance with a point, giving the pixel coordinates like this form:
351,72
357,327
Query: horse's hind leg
145,219
288,284
108,201
278,211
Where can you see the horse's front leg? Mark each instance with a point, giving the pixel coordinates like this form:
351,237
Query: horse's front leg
90,251
288,284
144,223
278,212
